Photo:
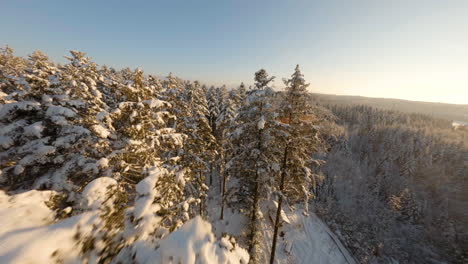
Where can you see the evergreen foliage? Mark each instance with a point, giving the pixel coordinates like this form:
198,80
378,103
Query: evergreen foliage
129,162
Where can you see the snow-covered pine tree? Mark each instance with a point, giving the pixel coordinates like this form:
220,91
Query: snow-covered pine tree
238,95
80,92
50,123
11,67
20,112
254,160
191,108
148,156
173,92
200,146
154,83
221,95
225,124
212,107
12,83
63,126
110,84
227,113
299,143
215,98
298,113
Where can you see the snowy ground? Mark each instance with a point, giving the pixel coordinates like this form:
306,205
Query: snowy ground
306,238
30,234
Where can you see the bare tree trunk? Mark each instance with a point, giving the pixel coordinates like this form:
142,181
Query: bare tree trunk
278,210
203,194
256,204
253,227
201,207
211,174
220,170
223,196
275,233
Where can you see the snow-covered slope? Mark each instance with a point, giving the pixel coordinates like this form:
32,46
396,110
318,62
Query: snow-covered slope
308,240
126,159
305,239
194,242
29,234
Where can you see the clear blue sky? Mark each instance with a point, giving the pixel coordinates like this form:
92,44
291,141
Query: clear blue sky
410,49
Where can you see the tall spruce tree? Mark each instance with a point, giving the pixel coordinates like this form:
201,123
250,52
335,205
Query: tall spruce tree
299,142
200,147
225,123
148,141
55,113
213,106
254,157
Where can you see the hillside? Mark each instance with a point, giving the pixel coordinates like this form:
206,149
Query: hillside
99,165
451,112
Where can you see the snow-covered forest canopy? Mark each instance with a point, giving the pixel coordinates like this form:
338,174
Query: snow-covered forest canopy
99,165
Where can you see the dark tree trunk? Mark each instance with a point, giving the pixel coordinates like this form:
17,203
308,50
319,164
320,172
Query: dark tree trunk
201,207
220,170
256,203
253,223
211,175
202,198
223,196
278,210
275,233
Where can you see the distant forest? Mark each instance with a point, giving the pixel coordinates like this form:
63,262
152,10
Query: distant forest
452,112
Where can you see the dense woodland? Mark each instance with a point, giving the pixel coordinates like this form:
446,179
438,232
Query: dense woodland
391,185
457,112
396,185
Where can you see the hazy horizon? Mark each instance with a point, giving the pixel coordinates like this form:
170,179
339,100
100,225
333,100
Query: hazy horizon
414,51
391,98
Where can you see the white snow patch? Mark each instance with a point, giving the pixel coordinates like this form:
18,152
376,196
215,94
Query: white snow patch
283,216
7,109
194,242
6,142
156,103
18,169
101,131
27,237
308,240
102,115
147,184
46,99
3,95
55,110
102,163
96,193
24,210
180,177
177,139
34,129
144,207
261,123
47,243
